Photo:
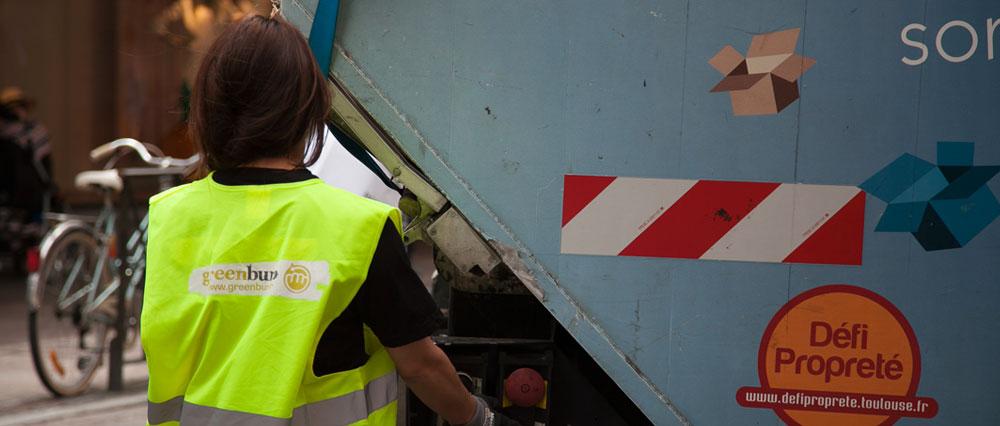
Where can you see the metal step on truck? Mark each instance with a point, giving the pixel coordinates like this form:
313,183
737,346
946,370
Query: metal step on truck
693,212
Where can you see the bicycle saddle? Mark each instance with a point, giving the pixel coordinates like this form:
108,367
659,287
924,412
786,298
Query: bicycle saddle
106,179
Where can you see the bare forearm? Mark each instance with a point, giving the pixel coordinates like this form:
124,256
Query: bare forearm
441,390
428,372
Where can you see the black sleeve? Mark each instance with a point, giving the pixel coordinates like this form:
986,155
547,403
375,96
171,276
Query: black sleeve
393,301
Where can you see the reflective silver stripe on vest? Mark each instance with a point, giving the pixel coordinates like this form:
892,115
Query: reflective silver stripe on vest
162,412
342,410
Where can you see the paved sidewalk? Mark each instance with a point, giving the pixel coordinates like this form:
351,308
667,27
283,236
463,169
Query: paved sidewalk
23,399
125,408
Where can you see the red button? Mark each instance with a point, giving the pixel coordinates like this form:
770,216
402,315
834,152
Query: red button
525,387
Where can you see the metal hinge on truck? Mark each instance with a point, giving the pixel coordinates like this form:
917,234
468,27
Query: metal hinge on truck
432,217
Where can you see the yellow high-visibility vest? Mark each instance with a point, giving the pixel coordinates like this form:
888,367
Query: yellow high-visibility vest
241,282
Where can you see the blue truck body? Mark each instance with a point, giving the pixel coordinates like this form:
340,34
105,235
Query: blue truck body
498,102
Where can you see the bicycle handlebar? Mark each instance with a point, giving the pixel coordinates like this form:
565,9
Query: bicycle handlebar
109,148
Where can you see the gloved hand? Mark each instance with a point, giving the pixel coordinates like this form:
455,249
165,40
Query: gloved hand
487,416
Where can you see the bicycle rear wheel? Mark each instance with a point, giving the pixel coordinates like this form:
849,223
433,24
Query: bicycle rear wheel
67,328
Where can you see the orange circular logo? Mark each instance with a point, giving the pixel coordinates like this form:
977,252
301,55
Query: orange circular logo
839,354
297,278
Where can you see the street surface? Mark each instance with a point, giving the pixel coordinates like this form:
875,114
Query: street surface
23,399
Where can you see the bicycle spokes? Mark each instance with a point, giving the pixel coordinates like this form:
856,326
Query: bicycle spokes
67,323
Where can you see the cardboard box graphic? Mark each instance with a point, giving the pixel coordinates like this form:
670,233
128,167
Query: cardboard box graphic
944,206
766,80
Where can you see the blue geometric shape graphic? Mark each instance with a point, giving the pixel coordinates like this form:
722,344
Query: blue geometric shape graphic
968,183
944,206
965,217
934,234
902,217
928,186
896,178
955,153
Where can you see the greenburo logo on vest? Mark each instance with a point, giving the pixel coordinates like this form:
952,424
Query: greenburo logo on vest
283,278
838,355
297,278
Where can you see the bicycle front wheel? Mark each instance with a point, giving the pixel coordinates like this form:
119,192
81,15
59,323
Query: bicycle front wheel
67,318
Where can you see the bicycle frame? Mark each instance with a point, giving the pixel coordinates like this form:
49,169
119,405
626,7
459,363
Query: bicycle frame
89,290
132,263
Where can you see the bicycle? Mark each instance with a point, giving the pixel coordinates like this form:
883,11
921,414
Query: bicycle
72,303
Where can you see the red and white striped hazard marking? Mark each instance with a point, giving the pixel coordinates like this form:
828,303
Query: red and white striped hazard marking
708,219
